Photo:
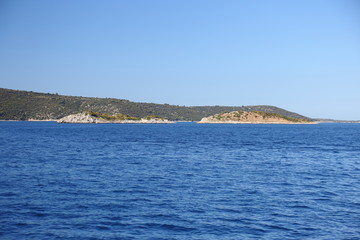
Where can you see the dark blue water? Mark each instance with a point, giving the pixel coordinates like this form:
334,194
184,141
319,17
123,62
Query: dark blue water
179,181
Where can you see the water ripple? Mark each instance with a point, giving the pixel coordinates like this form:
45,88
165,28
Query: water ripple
179,181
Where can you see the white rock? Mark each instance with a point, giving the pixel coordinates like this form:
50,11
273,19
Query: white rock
87,118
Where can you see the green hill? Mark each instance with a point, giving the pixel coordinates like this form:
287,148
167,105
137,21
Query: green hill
253,117
24,105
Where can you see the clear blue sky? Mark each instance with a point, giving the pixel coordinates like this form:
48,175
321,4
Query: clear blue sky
302,55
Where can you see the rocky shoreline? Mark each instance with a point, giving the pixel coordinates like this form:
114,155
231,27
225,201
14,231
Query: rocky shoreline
240,122
239,117
87,118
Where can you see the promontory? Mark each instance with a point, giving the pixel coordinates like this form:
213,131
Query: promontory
254,117
96,117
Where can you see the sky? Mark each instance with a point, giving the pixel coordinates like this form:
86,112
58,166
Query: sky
300,55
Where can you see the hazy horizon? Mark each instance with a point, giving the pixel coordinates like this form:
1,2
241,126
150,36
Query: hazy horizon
303,56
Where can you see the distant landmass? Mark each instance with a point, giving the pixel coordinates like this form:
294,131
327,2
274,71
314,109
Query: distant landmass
241,117
326,120
27,105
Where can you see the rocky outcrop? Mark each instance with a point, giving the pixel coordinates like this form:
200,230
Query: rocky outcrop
253,117
87,118
78,118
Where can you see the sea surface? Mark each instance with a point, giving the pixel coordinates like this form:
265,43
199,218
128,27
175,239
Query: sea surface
179,181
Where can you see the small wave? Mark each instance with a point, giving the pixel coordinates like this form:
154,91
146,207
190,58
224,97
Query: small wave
38,214
275,227
235,220
299,206
229,210
102,228
169,227
8,194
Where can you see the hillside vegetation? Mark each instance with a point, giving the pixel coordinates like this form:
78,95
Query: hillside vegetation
24,105
252,117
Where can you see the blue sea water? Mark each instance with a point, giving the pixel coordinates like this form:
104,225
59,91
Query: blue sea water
179,181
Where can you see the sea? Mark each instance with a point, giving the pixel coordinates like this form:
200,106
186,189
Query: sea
182,181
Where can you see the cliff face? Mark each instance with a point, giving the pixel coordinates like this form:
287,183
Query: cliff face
87,118
252,117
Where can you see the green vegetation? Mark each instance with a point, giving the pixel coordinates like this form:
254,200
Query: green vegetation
276,115
238,113
110,117
23,105
266,115
153,117
219,117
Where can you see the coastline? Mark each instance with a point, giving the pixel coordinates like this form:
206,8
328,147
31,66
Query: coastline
41,120
94,118
240,122
121,122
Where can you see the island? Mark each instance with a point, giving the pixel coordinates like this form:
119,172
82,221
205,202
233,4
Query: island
97,117
253,117
36,106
